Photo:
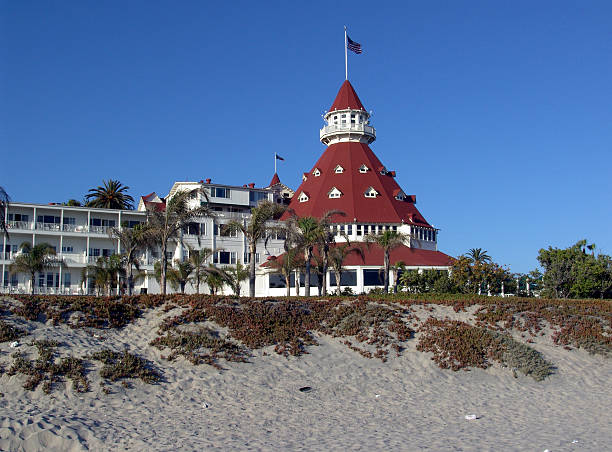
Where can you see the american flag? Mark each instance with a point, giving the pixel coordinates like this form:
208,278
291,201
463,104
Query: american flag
352,45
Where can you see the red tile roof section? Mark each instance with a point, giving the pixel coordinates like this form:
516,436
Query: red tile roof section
275,180
384,208
411,257
347,98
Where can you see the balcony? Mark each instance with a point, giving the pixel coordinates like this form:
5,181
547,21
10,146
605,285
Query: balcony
20,225
329,131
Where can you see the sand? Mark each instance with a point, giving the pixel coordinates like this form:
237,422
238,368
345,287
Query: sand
355,403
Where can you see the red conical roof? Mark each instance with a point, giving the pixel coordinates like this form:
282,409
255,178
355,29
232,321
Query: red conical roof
347,98
352,184
275,180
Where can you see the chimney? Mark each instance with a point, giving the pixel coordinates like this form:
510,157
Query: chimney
208,181
252,185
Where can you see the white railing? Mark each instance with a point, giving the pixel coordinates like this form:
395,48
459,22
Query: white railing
72,258
48,226
233,215
335,128
74,228
28,225
99,229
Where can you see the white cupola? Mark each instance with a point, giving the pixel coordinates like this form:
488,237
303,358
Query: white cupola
347,120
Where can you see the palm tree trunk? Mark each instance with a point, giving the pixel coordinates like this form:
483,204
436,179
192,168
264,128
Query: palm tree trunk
338,276
164,265
387,271
32,280
252,269
307,278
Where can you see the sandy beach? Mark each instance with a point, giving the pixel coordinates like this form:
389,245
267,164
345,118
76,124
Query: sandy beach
354,403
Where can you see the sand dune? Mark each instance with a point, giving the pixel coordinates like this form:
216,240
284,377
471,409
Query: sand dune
355,403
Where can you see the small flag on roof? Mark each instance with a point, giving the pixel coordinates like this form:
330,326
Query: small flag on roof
278,157
352,45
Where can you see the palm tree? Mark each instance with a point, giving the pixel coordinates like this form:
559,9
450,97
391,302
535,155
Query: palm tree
388,240
338,254
214,279
105,273
179,274
4,202
165,225
234,275
304,233
399,266
133,242
110,196
326,239
257,228
286,264
198,259
478,256
34,259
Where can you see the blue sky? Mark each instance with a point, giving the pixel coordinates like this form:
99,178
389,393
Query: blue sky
497,115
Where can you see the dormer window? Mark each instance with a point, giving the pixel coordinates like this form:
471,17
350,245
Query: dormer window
334,193
338,169
316,172
304,177
363,169
303,197
370,193
383,170
399,195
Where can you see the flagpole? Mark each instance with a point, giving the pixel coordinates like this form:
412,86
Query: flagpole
345,56
275,163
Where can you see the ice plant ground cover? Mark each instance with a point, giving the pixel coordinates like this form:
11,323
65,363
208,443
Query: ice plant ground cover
215,329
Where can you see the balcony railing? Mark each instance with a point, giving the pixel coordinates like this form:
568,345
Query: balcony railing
23,225
348,128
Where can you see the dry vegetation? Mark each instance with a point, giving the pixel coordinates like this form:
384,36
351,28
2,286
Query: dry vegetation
209,329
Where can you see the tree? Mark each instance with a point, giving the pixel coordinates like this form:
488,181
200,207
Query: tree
478,256
4,202
112,195
337,255
326,239
133,243
286,264
234,275
572,273
257,228
387,240
214,280
165,225
73,203
105,273
179,274
199,260
34,259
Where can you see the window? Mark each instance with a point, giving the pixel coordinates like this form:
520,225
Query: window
352,119
359,232
101,222
400,196
338,169
347,278
225,257
67,249
49,279
371,193
41,280
69,220
194,229
256,196
67,281
220,192
48,219
373,277
363,169
133,223
94,252
334,193
247,258
349,229
225,232
316,172
17,217
107,252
